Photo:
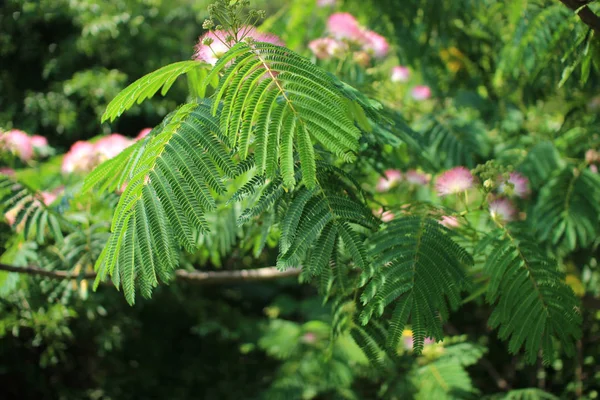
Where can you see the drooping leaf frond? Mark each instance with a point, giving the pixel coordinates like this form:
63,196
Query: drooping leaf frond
173,182
533,304
30,214
147,86
275,104
320,223
420,269
567,213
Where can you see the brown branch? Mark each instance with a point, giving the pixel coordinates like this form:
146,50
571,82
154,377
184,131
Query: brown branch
200,277
584,12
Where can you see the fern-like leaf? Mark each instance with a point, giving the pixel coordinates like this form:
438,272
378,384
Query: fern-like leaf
567,213
420,269
533,304
276,104
174,178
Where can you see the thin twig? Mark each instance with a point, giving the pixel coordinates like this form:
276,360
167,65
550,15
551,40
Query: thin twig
201,277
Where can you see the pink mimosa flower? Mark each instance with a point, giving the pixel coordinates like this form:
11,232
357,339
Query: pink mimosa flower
326,48
38,141
503,210
454,181
421,92
392,177
143,133
17,142
520,185
376,44
345,26
400,74
415,177
80,158
111,145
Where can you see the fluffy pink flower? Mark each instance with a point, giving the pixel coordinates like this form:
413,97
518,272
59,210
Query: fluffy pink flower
143,133
415,177
520,185
326,48
38,141
502,209
449,222
210,53
112,145
80,158
454,181
594,168
392,178
17,142
375,44
400,74
345,26
421,92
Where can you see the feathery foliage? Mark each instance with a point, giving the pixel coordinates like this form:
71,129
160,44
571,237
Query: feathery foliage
173,179
533,305
567,212
275,104
147,86
420,269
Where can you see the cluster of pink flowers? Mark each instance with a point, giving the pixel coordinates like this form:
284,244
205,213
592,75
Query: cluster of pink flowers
346,33
393,177
22,145
84,156
401,74
501,208
212,45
